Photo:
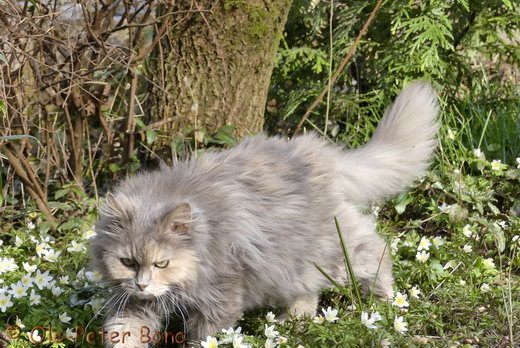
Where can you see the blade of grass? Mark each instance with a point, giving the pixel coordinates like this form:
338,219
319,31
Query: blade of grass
348,264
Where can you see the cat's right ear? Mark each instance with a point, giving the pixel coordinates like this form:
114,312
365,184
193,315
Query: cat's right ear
179,219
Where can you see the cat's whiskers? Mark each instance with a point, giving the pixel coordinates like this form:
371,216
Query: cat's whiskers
178,309
122,304
160,300
116,294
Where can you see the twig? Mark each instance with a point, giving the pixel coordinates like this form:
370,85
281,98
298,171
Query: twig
340,68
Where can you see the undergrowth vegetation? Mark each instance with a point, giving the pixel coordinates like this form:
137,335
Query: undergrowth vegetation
454,237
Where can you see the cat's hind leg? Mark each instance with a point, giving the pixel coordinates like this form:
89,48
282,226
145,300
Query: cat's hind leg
368,252
302,306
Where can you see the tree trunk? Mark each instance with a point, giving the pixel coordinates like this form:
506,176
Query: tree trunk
214,65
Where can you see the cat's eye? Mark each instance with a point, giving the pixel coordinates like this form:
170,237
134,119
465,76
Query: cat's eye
162,264
128,262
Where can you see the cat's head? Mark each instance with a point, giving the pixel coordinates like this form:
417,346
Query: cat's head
146,248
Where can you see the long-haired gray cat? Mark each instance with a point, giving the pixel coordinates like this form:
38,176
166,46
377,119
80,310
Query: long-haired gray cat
228,231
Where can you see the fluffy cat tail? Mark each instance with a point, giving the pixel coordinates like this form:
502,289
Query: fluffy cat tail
399,150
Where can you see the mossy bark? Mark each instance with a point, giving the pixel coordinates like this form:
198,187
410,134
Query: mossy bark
214,66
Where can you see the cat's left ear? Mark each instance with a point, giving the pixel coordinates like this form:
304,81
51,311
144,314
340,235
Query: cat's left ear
179,219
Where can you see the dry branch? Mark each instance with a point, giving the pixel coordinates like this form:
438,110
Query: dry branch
340,68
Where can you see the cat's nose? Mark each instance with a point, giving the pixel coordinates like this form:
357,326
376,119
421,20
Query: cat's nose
142,286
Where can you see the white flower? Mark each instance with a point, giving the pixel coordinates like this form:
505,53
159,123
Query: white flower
51,284
31,225
393,245
51,255
41,280
96,304
5,302
424,244
7,265
479,154
89,234
64,318
462,282
19,323
18,290
450,264
18,241
34,298
496,164
1,242
57,291
518,161
369,322
231,331
71,334
76,247
318,320
93,276
330,314
444,208
64,280
269,343
35,337
437,241
414,292
385,342
466,231
485,287
313,4
41,249
488,263
28,268
451,134
270,317
467,248
400,324
270,332
400,300
422,256
281,339
237,342
515,238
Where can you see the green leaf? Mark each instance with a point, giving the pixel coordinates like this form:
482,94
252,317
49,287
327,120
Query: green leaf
401,202
508,3
457,213
493,208
224,137
61,206
150,136
69,225
44,226
113,167
500,237
61,193
16,137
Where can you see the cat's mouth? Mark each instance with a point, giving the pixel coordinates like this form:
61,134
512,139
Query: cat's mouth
144,295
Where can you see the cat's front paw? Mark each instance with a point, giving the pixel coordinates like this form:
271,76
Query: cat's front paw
118,335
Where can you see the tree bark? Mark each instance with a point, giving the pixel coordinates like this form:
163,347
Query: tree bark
214,65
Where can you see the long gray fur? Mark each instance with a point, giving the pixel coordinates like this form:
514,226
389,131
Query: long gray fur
262,217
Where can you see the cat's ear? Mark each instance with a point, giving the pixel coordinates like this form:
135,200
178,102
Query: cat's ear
179,219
